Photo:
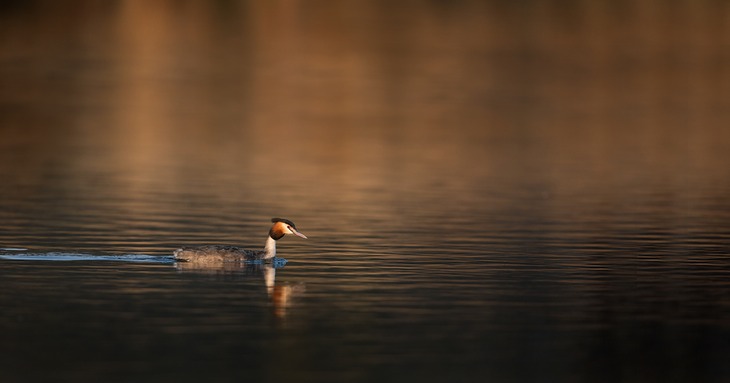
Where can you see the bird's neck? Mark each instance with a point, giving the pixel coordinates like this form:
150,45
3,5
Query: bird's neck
270,248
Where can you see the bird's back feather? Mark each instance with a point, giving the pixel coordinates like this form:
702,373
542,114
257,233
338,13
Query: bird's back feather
217,253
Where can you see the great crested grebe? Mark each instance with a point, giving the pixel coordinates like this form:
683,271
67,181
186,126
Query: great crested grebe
216,253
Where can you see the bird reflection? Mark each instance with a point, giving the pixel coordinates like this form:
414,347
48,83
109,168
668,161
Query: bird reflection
280,295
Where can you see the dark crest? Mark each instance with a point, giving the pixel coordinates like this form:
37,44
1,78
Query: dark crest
286,221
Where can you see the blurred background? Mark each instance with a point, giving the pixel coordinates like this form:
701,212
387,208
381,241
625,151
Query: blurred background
530,150
121,108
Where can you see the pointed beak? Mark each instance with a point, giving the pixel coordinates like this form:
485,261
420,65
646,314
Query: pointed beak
298,234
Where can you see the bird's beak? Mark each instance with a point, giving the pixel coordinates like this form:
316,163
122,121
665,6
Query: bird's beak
298,234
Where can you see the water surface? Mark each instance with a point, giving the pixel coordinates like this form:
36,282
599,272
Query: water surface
492,192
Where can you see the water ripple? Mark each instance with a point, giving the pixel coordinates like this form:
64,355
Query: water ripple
60,256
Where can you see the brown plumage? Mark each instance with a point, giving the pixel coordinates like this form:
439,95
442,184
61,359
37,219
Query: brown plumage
218,253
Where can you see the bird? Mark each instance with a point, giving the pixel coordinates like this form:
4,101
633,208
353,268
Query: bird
218,253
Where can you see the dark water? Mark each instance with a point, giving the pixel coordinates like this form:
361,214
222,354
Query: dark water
492,191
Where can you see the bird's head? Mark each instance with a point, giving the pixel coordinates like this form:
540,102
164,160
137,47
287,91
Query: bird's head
282,227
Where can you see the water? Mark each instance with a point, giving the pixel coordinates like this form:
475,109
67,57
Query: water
492,192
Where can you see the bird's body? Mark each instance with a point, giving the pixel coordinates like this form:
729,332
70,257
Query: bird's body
218,253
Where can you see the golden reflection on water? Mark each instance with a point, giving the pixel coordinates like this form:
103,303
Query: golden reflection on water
309,108
463,168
